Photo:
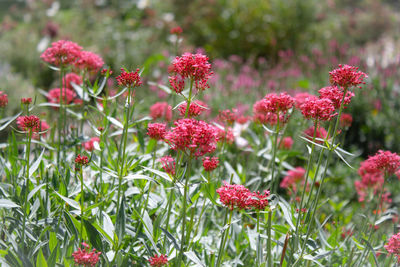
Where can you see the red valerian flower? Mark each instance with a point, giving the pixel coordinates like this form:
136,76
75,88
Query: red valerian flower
386,161
61,53
234,196
224,136
42,130
393,246
257,200
3,99
81,161
273,107
321,133
228,116
26,101
195,109
195,137
161,110
293,179
194,67
89,61
129,79
86,257
347,76
71,77
346,120
28,123
210,164
318,109
156,131
89,145
176,30
158,260
335,94
168,164
300,98
286,143
68,95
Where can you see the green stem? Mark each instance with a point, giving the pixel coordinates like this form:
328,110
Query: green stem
28,151
269,246
274,181
82,201
221,251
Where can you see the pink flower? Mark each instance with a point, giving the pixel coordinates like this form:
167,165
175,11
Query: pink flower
234,196
68,95
156,131
300,98
89,145
346,120
158,260
286,143
335,94
168,164
195,137
86,257
224,136
347,76
81,161
61,53
293,179
271,106
195,109
318,109
210,164
386,161
228,116
43,128
3,99
321,133
71,77
129,79
176,30
257,200
89,61
194,67
26,101
393,246
161,110
28,123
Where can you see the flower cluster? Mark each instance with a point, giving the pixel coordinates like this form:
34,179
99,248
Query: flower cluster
89,145
393,246
224,136
28,123
335,94
26,101
321,109
168,164
62,53
81,161
210,164
89,61
286,143
176,30
228,116
42,130
156,131
3,99
300,98
86,257
54,95
386,161
129,79
321,133
273,107
161,110
193,136
195,109
346,120
347,76
194,67
158,260
71,77
237,196
292,180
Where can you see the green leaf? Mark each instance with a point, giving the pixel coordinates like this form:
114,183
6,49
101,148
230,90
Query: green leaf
9,120
193,257
94,235
33,192
120,223
286,213
40,260
8,204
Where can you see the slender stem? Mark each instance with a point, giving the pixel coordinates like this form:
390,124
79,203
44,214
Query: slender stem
60,117
223,238
82,201
274,181
269,246
259,246
169,206
28,152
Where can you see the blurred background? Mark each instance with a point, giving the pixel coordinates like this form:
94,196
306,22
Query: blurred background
255,46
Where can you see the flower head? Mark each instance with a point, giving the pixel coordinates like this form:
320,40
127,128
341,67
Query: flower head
234,196
286,143
26,101
3,99
168,164
156,131
273,107
89,61
228,116
54,95
71,77
161,110
346,120
89,145
62,53
86,257
293,178
194,67
386,161
210,164
28,123
300,98
321,133
42,130
195,109
129,79
347,76
176,30
393,246
192,136
321,109
81,161
158,260
257,200
224,135
335,94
